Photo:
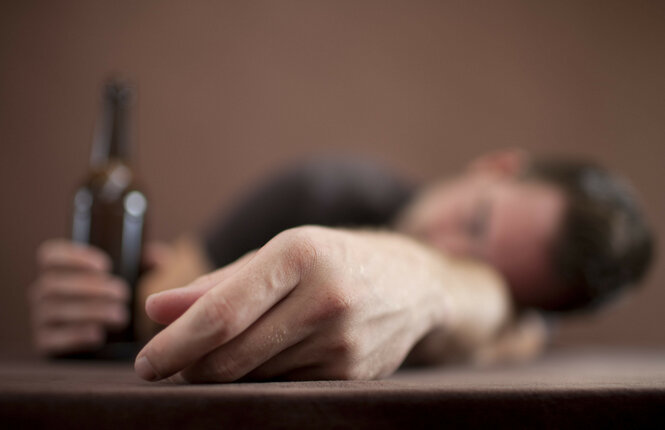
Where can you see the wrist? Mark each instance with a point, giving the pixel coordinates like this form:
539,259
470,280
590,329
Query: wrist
469,306
477,303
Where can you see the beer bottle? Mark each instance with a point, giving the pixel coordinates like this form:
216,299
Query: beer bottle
109,207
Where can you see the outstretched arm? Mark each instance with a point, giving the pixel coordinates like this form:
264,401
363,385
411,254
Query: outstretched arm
321,303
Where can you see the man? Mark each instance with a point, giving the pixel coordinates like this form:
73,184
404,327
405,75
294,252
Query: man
341,271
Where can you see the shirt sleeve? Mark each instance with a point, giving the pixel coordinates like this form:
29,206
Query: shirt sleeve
334,193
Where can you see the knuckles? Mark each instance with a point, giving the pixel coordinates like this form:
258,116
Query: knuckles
43,251
226,370
327,290
343,349
49,248
214,369
43,287
303,247
47,342
329,306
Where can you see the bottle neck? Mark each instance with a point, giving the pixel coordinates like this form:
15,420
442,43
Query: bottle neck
111,141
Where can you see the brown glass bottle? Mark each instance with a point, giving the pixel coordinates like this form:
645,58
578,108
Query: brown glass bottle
109,207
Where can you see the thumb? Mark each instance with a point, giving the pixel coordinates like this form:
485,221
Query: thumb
167,306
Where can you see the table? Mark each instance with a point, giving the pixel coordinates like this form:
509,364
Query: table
596,388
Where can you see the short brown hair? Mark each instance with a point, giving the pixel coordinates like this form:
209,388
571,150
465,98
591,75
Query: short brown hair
604,244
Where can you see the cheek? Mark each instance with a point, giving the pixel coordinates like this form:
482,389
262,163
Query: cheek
447,228
455,244
425,219
518,252
523,273
452,212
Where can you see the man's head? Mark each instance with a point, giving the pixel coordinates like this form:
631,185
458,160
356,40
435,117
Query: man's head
565,234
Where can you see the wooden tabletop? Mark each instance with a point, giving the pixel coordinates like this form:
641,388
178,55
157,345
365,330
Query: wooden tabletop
595,388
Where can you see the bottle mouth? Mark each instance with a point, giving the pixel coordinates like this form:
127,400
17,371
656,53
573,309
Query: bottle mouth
118,90
111,137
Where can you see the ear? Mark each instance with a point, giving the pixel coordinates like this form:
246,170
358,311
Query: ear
505,162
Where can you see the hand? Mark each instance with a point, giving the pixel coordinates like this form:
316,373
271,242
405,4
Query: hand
313,303
169,266
75,299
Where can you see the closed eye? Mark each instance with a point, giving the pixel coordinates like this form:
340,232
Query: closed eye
478,222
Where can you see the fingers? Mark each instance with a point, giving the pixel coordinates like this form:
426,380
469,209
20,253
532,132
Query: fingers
79,285
70,324
63,323
64,253
224,311
323,354
102,313
65,339
167,306
281,328
296,356
75,299
60,298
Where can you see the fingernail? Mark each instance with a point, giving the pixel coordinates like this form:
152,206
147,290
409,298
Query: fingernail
145,369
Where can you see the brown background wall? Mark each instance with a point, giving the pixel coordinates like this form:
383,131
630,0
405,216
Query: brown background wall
229,90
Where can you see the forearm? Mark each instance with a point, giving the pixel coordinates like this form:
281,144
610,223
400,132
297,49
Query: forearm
477,309
524,339
465,305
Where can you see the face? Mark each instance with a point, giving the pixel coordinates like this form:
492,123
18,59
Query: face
506,222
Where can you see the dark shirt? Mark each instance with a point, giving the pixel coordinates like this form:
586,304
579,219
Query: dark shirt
334,193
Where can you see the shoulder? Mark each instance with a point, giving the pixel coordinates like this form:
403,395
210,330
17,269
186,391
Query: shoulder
323,179
350,191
